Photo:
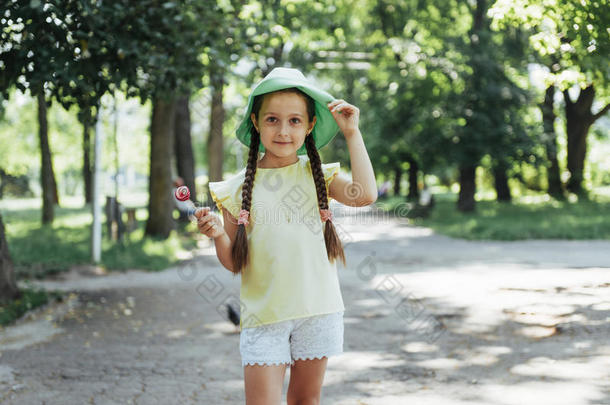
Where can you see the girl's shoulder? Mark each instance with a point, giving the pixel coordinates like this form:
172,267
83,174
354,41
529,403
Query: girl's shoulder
327,168
226,193
233,179
330,170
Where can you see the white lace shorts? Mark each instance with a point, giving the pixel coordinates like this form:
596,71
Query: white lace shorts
295,339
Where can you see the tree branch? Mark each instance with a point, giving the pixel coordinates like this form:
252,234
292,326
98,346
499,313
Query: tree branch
601,112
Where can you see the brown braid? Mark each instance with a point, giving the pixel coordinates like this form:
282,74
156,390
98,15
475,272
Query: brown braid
334,249
239,253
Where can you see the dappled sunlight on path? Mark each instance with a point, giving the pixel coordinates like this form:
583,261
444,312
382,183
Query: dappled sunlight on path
429,320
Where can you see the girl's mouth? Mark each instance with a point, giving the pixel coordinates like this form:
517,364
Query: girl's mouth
283,143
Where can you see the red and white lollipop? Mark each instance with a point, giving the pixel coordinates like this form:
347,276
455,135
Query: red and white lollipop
183,195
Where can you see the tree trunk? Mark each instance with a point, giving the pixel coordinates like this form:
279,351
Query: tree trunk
466,200
87,170
397,179
501,183
3,179
413,193
217,118
47,181
185,161
467,168
550,142
8,285
55,193
160,200
183,149
579,119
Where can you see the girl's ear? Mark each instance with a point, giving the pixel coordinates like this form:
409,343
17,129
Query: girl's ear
312,125
253,118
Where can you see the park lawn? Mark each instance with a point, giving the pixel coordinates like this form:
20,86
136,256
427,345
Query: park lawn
31,298
516,221
38,250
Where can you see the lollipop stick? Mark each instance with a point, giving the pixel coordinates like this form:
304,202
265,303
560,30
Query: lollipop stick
191,210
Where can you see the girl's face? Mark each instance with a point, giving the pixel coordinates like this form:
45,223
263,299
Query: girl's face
283,123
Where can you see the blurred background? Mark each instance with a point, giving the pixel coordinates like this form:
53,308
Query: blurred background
488,118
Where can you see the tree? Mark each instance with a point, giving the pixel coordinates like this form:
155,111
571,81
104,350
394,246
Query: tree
579,119
160,203
456,101
225,42
33,38
217,118
170,40
555,187
573,35
101,50
47,176
166,43
8,286
87,119
183,147
371,60
489,98
482,104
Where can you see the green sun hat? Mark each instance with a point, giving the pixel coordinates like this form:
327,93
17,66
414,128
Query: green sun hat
281,78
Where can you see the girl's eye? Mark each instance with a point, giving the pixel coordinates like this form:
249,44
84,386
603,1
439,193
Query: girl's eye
295,120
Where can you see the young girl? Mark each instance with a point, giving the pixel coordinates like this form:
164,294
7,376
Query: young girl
278,234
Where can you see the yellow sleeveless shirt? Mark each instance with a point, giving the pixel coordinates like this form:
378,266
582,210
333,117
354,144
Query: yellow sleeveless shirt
288,274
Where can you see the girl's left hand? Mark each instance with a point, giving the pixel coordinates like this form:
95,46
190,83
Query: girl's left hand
209,223
346,115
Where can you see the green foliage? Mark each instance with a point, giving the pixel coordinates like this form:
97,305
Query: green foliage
572,36
82,51
154,50
441,82
34,38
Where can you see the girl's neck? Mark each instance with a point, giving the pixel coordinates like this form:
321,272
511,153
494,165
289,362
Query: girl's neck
269,163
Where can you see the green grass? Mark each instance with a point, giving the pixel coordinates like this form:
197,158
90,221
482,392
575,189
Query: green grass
30,298
38,250
525,218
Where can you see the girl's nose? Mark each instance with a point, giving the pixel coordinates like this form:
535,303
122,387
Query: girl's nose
285,128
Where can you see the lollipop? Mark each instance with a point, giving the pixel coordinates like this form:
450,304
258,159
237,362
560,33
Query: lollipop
183,195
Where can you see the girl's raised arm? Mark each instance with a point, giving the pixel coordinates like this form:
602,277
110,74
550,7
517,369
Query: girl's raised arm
362,189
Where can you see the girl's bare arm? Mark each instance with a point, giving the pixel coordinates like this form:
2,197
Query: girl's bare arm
361,190
224,242
224,236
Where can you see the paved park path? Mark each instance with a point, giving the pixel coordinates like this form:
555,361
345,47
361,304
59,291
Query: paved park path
429,320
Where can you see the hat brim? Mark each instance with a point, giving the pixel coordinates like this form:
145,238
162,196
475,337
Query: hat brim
325,128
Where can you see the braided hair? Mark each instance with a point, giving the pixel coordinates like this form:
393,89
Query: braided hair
334,249
239,252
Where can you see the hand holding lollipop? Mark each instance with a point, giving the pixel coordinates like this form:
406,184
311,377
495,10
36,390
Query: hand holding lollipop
208,223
